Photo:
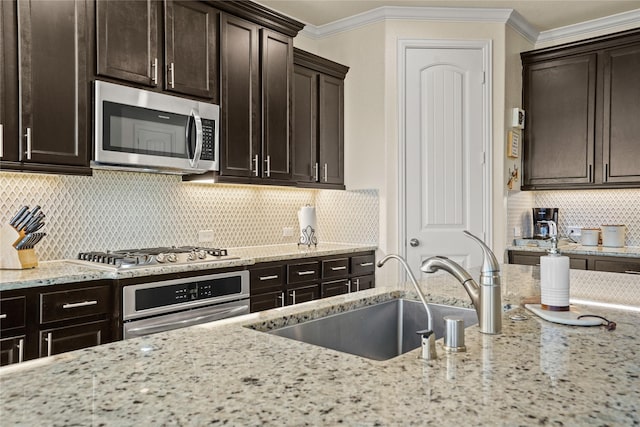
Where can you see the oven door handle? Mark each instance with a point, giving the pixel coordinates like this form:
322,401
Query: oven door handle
168,326
193,161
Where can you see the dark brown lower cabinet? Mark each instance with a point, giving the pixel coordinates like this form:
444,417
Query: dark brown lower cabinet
277,284
12,350
69,338
582,262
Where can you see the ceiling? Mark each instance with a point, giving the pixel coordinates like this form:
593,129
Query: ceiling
543,15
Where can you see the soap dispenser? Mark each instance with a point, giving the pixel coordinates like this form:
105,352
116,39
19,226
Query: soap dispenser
554,276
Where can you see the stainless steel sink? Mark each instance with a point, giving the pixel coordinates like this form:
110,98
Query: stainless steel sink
378,332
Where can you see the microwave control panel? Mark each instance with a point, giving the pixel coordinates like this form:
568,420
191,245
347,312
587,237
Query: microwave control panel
208,139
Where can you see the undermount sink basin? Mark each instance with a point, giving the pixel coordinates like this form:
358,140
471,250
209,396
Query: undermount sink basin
378,332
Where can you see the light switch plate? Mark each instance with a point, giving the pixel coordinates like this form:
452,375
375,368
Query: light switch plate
287,232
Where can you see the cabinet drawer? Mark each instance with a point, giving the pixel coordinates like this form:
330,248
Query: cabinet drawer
76,303
303,272
266,278
617,266
335,268
12,313
363,264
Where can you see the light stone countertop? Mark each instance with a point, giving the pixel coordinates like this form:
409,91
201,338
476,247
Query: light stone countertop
577,249
534,373
70,271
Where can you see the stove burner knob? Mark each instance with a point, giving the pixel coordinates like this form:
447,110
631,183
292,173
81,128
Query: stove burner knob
192,256
202,254
161,258
172,257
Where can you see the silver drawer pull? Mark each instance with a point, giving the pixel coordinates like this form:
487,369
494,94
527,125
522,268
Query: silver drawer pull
338,268
306,273
79,304
632,272
275,276
3,316
366,264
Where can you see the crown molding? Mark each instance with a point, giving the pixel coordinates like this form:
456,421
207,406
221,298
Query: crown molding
445,14
522,26
558,35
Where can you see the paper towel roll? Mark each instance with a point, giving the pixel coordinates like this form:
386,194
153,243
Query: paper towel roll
307,220
554,281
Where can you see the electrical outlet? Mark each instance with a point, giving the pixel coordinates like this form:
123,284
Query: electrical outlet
287,232
574,231
205,236
517,232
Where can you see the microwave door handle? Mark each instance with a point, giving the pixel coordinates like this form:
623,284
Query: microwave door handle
198,151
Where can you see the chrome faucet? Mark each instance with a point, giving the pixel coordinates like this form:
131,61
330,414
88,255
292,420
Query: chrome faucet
486,297
428,337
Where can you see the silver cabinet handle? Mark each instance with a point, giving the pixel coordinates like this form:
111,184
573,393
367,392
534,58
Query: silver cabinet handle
357,285
366,264
21,350
172,75
154,72
28,137
275,276
306,273
293,297
1,140
632,272
326,173
79,304
348,285
255,160
316,172
49,340
338,268
281,298
3,316
268,162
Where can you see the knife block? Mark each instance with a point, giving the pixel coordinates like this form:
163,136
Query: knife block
10,257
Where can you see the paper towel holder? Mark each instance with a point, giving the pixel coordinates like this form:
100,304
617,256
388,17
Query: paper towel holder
308,237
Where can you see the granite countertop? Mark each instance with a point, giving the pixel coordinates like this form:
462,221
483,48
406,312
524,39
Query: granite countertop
578,249
535,372
70,271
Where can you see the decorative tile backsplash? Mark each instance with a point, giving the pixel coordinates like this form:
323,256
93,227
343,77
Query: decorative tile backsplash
583,208
122,210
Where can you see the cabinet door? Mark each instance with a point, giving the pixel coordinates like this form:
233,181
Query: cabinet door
266,301
191,40
331,140
239,98
336,287
9,147
276,53
617,265
305,125
12,350
69,338
363,282
303,293
53,75
621,126
559,99
127,40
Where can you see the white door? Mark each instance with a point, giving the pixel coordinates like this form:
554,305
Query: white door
446,182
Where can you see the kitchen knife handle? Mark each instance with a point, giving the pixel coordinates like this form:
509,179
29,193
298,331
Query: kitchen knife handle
28,137
21,212
79,304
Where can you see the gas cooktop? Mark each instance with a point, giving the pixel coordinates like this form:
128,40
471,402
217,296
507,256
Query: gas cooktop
150,257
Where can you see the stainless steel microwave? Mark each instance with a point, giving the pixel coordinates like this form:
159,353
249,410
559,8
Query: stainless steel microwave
138,129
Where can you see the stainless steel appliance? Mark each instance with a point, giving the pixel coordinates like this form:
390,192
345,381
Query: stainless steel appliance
139,129
154,307
540,218
149,257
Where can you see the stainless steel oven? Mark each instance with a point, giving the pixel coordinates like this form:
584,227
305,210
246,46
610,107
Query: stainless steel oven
171,304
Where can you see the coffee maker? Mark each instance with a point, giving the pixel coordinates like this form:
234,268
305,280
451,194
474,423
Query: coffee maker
540,226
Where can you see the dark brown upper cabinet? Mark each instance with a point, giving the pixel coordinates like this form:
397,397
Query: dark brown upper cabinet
318,123
129,36
256,69
47,113
582,101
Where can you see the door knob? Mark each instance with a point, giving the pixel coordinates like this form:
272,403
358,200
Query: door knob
414,242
